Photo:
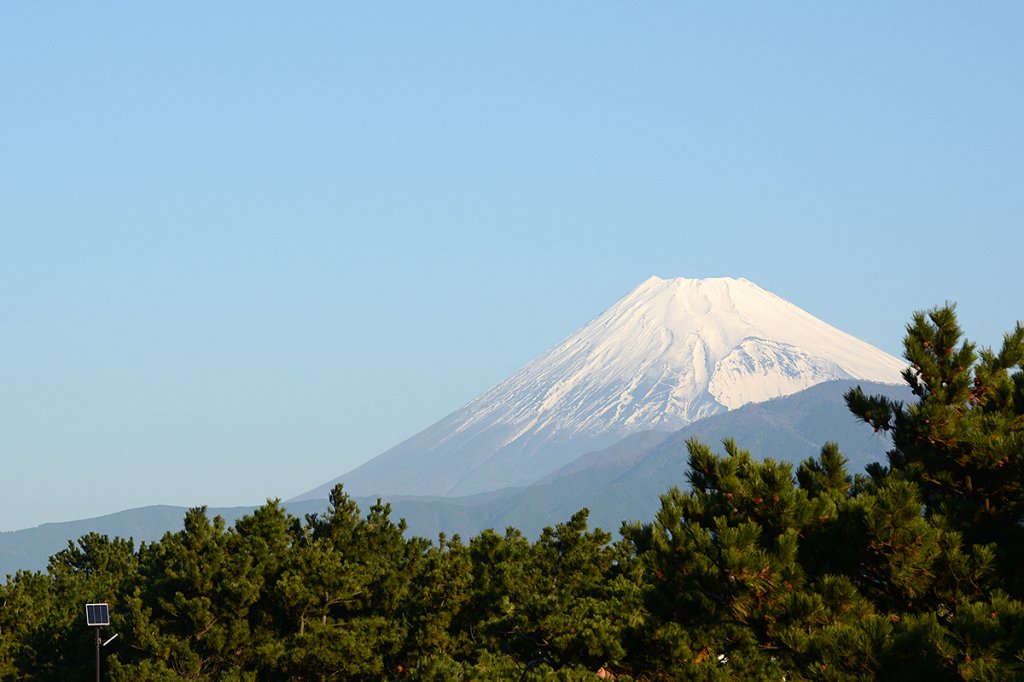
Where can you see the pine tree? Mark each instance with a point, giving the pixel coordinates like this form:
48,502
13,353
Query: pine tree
440,589
343,591
962,441
190,618
43,634
722,565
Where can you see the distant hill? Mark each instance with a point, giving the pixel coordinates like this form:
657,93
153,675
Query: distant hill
30,548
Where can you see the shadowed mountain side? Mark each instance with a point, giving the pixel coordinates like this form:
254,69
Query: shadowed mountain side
623,482
783,428
630,449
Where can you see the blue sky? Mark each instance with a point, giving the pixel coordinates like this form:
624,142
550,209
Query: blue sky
246,247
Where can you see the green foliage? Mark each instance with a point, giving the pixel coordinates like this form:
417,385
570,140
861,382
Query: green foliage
564,613
342,593
754,572
726,582
962,442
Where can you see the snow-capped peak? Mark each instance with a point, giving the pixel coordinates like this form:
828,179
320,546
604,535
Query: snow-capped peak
675,350
670,352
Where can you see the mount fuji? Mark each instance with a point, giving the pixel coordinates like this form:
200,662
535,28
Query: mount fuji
671,352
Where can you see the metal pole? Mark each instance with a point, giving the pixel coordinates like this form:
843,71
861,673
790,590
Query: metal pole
97,655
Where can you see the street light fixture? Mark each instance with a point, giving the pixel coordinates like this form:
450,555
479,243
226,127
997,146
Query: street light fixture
96,616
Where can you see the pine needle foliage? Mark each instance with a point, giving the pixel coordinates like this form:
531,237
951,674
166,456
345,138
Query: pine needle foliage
751,569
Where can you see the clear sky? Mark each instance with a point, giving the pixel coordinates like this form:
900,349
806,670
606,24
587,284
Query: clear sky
245,247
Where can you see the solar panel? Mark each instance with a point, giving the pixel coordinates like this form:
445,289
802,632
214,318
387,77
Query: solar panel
97,614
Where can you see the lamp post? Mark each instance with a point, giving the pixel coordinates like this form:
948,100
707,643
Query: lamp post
96,616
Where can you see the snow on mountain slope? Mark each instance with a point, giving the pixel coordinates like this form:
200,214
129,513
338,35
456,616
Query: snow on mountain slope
669,353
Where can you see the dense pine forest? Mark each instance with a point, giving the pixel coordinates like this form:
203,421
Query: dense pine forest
751,570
